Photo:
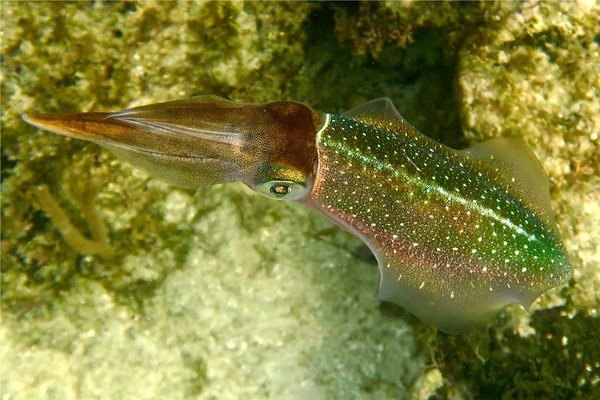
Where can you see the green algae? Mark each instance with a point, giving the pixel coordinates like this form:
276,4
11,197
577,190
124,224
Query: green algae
417,74
370,28
221,293
511,364
534,77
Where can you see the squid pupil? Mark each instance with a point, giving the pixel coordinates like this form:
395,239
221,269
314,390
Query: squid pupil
280,190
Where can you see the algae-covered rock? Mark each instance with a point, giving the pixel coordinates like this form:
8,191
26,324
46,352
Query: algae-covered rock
115,285
532,72
118,286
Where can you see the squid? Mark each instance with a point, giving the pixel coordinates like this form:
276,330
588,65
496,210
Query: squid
457,234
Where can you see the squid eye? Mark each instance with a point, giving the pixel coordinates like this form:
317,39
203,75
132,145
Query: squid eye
281,190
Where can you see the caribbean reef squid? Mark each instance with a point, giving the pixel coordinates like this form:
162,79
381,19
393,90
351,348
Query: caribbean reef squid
457,235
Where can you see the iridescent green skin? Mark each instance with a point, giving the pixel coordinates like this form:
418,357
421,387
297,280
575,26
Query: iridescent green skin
457,234
453,241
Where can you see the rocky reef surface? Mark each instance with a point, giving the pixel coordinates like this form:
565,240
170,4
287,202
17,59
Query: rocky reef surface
219,293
